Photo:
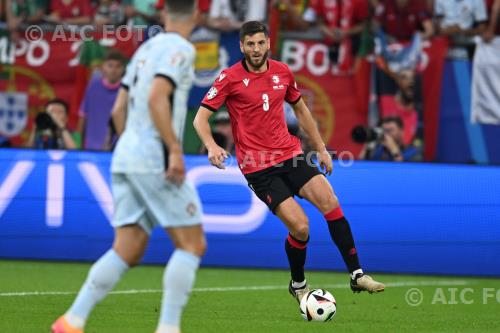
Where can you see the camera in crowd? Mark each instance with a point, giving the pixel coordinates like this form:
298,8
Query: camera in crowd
45,122
363,134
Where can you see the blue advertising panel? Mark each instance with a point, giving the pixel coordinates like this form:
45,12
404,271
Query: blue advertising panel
460,141
410,218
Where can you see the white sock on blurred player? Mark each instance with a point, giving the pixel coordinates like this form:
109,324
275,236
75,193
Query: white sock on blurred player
102,278
178,281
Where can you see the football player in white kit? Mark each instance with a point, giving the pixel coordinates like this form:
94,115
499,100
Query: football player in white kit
148,174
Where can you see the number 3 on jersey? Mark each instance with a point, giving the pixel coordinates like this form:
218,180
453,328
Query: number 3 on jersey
265,98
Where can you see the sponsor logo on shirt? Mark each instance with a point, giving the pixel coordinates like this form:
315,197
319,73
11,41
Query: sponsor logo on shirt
221,77
246,82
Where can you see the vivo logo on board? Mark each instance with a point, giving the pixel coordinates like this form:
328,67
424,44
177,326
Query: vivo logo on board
55,182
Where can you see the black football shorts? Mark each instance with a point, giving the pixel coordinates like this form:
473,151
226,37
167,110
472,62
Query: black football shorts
275,184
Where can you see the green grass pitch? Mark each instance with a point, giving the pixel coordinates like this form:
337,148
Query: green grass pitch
233,300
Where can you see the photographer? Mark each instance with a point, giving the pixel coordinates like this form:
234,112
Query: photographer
49,130
386,143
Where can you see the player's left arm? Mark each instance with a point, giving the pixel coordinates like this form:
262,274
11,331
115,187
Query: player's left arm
489,33
119,112
308,125
160,109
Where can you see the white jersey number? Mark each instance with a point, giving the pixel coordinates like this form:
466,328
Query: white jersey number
265,98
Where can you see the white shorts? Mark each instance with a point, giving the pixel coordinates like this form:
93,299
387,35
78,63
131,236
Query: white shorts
150,200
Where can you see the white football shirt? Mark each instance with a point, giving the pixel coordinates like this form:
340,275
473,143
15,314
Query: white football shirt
140,149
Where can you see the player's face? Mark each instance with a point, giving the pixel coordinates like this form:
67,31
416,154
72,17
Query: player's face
255,48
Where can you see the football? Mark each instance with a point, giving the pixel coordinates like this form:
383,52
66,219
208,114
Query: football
318,305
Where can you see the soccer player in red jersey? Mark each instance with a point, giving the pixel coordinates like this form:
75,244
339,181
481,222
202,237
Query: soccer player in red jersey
271,159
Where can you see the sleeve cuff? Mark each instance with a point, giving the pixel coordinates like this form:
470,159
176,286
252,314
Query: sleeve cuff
209,107
168,78
295,101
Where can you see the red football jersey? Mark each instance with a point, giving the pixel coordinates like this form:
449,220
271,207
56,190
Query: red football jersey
255,104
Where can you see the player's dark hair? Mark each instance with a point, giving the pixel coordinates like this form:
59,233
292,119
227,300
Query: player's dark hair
180,7
60,102
393,119
251,28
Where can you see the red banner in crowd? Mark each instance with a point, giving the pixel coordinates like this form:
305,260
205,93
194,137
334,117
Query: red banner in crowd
33,72
338,102
432,81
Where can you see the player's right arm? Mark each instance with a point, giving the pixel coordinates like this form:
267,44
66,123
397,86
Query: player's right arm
213,100
216,154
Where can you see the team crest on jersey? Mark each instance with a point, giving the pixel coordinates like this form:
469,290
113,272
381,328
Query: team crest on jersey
246,82
191,209
276,79
222,76
212,93
177,59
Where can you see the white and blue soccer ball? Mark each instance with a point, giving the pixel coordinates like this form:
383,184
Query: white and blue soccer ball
318,305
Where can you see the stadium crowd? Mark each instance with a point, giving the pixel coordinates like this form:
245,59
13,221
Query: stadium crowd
341,24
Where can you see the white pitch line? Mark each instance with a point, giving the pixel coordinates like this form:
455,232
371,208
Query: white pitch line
242,288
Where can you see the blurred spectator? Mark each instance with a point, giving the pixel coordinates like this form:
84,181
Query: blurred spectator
407,23
430,6
222,126
391,146
401,19
288,14
291,119
49,130
493,28
222,133
402,104
229,15
108,12
204,9
23,11
141,12
70,12
2,12
294,129
465,17
341,22
95,110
